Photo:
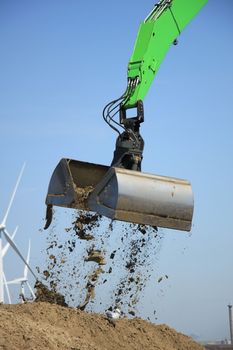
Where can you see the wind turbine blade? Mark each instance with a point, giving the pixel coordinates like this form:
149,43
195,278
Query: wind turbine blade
31,290
25,273
5,249
16,249
7,289
13,195
16,280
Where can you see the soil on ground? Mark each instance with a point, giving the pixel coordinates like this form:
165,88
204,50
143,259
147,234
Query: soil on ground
41,325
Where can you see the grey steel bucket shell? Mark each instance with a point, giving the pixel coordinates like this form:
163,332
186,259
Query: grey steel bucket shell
144,198
122,194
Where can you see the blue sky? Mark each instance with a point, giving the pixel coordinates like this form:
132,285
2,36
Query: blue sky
61,62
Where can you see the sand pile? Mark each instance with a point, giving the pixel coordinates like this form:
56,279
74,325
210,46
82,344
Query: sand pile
92,266
48,326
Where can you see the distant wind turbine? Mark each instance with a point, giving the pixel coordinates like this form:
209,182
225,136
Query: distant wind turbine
24,280
4,233
4,251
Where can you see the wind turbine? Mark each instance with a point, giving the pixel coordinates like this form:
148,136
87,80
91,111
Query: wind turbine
4,251
4,233
24,280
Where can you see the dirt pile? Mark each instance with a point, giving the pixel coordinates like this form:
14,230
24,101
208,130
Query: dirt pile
47,326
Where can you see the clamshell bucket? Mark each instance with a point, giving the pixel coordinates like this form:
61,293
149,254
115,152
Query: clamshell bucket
122,194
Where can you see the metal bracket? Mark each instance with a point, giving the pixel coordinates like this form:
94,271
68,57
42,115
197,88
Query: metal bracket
139,118
130,144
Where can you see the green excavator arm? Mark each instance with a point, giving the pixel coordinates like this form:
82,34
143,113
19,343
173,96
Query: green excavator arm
121,191
156,34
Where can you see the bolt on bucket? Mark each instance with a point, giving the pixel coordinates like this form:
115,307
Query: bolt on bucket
122,194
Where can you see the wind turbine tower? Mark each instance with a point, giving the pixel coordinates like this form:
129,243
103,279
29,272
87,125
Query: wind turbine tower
4,233
230,323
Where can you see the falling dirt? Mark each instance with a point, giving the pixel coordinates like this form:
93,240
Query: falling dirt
44,326
95,255
43,293
84,224
96,252
90,287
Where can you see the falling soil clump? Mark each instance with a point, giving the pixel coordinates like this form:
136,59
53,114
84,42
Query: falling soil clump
84,224
95,255
50,296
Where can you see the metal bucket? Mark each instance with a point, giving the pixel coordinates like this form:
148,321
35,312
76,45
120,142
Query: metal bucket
122,194
144,198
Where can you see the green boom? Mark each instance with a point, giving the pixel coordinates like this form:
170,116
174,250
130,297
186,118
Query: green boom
159,30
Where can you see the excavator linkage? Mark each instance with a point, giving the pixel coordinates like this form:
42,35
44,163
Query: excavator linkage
122,194
122,191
